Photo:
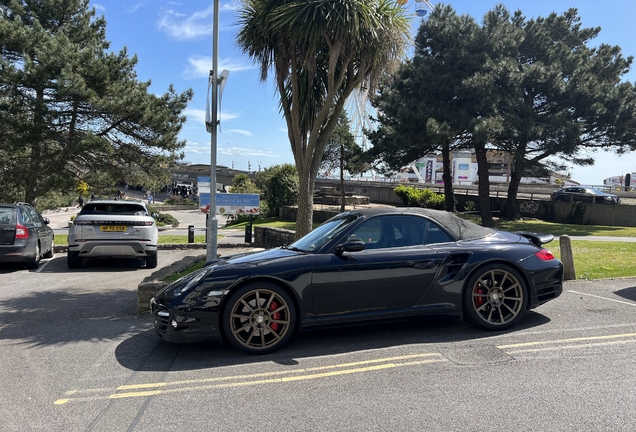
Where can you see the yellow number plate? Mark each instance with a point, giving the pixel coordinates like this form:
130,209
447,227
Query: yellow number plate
116,228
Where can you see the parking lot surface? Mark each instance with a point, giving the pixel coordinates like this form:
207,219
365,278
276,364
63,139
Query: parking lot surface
76,355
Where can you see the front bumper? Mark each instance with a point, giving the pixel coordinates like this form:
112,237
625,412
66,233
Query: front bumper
177,326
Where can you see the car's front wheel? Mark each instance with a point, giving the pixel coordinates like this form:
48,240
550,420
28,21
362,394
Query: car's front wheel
495,297
259,318
73,260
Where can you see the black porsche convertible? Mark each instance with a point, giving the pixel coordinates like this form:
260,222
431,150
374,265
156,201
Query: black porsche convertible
359,266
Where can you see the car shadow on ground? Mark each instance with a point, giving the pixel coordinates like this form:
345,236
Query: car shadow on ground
92,265
627,293
146,351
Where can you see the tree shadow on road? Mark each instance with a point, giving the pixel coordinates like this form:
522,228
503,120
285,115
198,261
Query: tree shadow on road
627,293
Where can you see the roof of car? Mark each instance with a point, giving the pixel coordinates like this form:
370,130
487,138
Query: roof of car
460,228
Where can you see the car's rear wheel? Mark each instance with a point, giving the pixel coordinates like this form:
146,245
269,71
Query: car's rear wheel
35,262
50,253
259,318
152,260
73,260
496,297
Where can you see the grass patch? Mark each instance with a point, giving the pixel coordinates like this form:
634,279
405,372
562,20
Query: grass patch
194,267
600,260
268,222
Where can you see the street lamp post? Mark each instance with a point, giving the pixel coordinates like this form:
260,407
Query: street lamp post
212,227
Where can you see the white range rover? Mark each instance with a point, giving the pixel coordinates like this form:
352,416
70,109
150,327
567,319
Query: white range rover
113,228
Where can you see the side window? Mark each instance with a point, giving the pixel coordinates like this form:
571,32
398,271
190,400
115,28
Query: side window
436,235
35,216
369,232
26,216
391,231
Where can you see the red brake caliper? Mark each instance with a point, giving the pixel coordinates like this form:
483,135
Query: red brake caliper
478,300
273,306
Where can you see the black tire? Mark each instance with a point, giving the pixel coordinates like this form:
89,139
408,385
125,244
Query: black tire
73,260
35,262
151,260
496,297
50,253
259,318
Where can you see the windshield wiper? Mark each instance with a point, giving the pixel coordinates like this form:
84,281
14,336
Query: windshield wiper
295,249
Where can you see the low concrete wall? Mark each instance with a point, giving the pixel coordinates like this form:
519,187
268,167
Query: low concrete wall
272,237
153,283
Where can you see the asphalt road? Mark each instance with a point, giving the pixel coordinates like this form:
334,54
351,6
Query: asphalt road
76,356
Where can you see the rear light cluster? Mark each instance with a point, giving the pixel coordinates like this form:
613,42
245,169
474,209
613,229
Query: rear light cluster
544,255
21,232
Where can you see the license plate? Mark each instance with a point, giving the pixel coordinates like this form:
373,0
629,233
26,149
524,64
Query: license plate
111,228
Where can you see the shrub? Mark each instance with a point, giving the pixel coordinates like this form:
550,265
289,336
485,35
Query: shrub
413,197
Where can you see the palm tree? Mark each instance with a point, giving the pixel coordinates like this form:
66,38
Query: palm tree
319,52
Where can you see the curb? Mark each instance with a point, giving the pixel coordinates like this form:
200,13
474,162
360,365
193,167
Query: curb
180,246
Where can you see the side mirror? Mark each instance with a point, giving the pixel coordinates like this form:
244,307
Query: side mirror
350,246
47,221
155,215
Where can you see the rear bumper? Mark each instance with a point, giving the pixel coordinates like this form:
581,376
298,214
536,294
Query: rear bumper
17,253
122,249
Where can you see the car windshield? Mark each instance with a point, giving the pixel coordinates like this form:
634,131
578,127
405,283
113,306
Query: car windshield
321,235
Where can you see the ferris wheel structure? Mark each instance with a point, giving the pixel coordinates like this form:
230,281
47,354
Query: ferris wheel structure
358,106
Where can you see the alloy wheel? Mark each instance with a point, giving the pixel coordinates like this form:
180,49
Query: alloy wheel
497,297
260,319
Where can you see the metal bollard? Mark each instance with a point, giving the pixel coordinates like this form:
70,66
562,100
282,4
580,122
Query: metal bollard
190,233
248,233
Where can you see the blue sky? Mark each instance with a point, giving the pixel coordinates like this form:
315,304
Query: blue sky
173,43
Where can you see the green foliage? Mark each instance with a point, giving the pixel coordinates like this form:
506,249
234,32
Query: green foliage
166,219
71,110
243,184
342,152
178,200
470,206
319,52
279,186
414,197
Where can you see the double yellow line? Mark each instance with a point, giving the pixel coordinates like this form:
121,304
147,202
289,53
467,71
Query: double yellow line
301,374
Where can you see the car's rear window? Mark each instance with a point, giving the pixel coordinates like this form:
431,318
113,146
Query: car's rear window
7,215
119,209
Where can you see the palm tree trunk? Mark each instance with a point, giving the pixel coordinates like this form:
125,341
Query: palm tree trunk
304,219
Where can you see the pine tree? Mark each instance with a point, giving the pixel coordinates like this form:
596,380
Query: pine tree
70,109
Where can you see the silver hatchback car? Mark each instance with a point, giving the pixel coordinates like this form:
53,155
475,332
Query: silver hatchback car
113,229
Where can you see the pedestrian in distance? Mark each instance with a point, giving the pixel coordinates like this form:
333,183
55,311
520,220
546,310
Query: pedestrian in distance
80,201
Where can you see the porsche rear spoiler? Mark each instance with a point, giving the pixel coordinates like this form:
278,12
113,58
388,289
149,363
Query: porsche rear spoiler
536,238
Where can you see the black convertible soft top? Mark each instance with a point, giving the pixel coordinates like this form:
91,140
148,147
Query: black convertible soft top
460,228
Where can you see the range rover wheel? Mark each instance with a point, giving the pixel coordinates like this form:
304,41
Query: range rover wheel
496,297
151,260
73,260
259,318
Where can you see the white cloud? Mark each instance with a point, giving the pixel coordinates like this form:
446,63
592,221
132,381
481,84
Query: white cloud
240,131
182,27
199,66
99,7
198,115
245,151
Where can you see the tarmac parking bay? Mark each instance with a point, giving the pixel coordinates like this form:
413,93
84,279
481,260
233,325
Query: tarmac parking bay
77,356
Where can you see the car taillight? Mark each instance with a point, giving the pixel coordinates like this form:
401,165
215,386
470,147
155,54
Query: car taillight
21,232
149,223
544,255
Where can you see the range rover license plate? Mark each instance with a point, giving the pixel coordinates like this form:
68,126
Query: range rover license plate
116,228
